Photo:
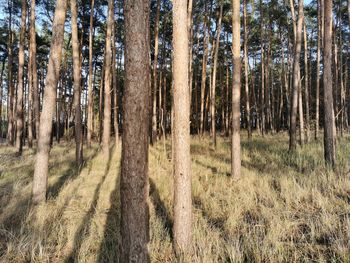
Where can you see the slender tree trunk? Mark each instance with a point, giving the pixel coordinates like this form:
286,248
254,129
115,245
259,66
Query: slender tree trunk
115,89
306,86
329,137
20,87
10,130
77,87
204,74
108,81
246,76
301,113
262,97
155,75
296,78
236,91
213,93
318,58
42,158
90,114
134,188
182,185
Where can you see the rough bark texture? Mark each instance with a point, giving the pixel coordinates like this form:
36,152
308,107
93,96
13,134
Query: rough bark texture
20,87
329,137
76,84
90,126
182,176
106,135
136,111
236,91
115,90
42,157
296,78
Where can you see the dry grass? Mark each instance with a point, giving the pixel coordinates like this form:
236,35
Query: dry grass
286,208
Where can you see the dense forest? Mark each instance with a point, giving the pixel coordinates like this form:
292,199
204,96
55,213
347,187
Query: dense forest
174,131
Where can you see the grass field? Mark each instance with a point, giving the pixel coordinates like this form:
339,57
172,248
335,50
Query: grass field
286,208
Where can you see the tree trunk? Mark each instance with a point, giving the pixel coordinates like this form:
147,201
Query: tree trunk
213,93
10,130
115,89
296,78
42,158
246,76
182,185
329,137
20,87
134,188
90,114
306,87
108,81
318,58
155,75
77,87
236,91
204,74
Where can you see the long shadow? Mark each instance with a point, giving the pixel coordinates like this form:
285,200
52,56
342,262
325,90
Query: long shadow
70,174
110,246
84,228
160,208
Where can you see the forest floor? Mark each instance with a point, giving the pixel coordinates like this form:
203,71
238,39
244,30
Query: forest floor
286,208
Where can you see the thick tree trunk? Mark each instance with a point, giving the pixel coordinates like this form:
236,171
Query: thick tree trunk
77,87
90,114
108,81
236,91
213,92
20,87
182,185
42,158
134,188
329,136
296,78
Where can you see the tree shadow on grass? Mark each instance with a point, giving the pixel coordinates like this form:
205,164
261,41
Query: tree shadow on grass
84,228
110,246
160,208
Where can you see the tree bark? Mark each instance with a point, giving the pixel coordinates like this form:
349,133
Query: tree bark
246,76
204,74
318,58
10,130
236,91
108,81
77,87
306,87
90,114
42,157
296,78
213,93
329,136
134,188
155,75
182,185
20,87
